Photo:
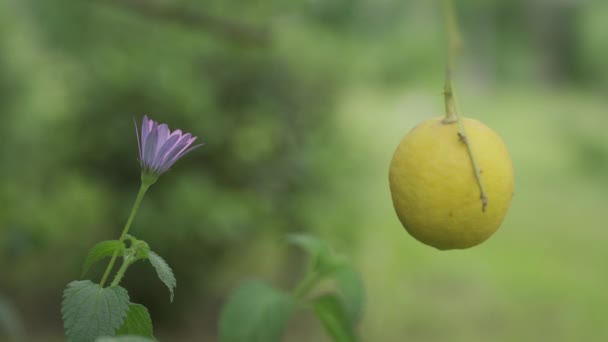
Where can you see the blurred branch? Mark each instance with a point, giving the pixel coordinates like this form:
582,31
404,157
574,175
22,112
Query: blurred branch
232,30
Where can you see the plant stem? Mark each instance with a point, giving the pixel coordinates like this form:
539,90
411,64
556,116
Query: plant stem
121,271
309,281
448,93
463,137
140,196
452,47
454,43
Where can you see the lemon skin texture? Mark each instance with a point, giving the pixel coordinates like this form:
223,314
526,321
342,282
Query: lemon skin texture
434,188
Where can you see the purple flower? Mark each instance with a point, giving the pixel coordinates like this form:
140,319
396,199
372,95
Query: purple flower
159,148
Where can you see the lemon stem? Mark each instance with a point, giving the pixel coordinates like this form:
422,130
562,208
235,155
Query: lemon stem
454,44
448,93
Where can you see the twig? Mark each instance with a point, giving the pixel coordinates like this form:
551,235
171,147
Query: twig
231,30
454,42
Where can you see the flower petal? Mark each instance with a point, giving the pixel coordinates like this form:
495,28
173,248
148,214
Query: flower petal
159,148
138,138
144,133
166,166
168,145
150,144
179,146
163,134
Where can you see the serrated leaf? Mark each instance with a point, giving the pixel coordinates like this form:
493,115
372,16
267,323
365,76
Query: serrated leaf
90,311
142,250
352,292
137,322
255,312
164,272
330,311
323,260
130,338
101,250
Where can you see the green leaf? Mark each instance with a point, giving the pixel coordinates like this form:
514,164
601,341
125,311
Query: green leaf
142,250
256,312
90,311
137,322
140,247
165,274
330,311
130,338
323,260
101,250
352,292
310,244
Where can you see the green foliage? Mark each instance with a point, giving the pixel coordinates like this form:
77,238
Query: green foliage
68,158
129,338
266,310
10,323
341,310
316,248
259,111
164,272
256,312
351,292
90,311
140,248
330,310
137,322
323,260
102,250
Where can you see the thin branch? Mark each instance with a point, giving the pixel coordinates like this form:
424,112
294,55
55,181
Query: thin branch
228,29
452,110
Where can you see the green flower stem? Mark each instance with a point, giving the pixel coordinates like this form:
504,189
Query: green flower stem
128,260
307,284
140,196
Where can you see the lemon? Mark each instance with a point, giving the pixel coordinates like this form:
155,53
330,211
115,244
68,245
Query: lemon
434,188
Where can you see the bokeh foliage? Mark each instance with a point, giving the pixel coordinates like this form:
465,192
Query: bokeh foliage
292,100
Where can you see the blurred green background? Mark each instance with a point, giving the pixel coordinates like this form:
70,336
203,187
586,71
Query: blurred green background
301,104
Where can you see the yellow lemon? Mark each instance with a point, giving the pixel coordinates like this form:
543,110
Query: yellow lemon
435,190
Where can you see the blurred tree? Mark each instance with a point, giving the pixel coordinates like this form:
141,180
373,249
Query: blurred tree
258,82
89,69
